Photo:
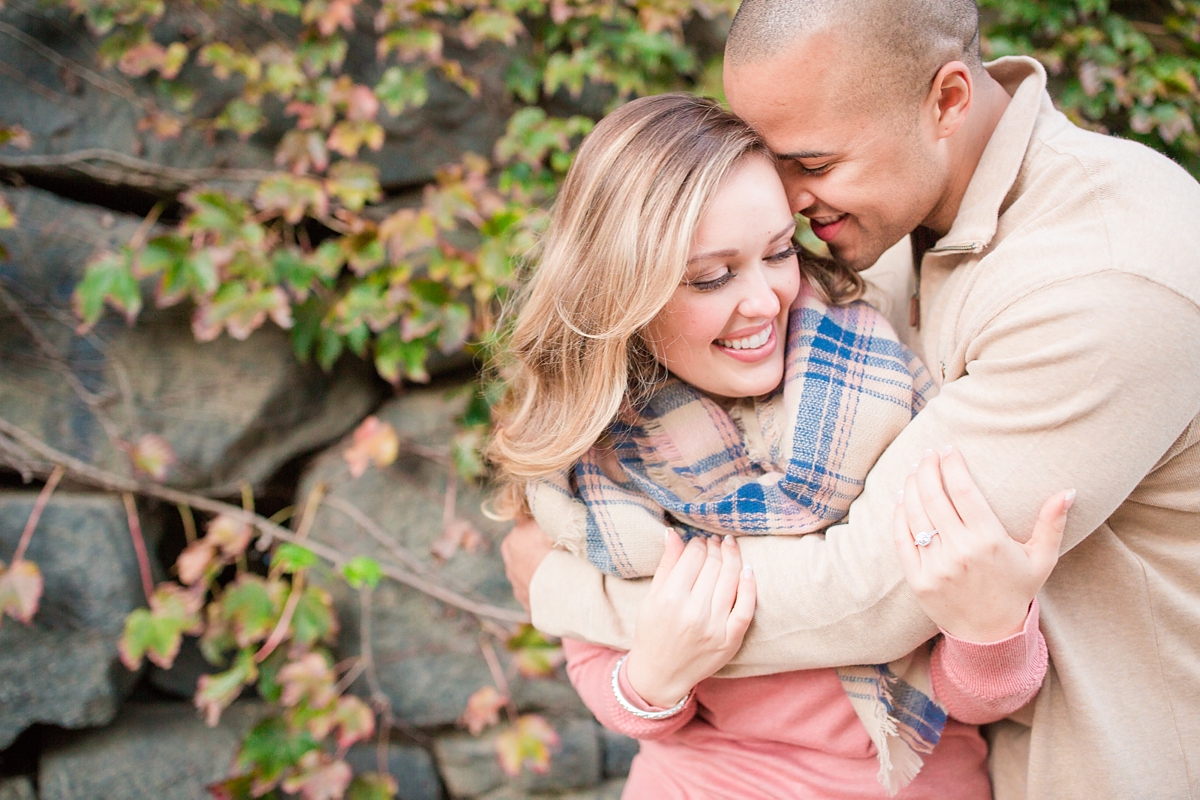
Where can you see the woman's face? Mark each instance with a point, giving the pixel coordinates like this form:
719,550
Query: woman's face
724,329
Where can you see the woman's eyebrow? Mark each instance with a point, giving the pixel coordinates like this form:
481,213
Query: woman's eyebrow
731,253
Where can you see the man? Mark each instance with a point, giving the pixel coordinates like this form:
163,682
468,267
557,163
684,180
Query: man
1058,307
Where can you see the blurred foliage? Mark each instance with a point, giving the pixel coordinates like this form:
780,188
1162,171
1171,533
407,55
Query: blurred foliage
306,253
1129,69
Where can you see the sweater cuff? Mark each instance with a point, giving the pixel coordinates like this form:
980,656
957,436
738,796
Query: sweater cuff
1000,668
635,699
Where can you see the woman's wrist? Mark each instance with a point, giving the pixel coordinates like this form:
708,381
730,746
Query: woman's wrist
651,687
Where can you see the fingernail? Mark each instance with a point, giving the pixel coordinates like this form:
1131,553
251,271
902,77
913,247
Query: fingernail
947,450
748,572
728,539
900,498
927,454
667,534
1069,500
912,470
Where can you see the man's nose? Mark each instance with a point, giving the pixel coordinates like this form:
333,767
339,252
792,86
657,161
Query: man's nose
798,194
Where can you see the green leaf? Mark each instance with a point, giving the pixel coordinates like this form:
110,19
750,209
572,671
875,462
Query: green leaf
372,786
215,692
396,358
354,183
251,605
269,687
362,571
314,620
7,218
329,348
292,558
157,632
109,278
402,89
271,748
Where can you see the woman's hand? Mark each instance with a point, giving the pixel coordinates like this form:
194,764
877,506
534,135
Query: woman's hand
700,604
973,579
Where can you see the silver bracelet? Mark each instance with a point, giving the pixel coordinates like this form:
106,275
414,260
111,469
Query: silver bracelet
631,708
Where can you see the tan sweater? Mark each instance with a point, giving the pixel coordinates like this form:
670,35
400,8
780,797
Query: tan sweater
1061,316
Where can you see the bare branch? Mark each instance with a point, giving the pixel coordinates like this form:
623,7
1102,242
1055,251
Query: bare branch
39,505
139,544
376,531
102,479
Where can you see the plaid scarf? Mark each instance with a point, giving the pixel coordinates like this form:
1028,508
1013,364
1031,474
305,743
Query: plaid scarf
788,463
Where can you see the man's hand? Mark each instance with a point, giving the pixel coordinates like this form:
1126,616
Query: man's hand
523,550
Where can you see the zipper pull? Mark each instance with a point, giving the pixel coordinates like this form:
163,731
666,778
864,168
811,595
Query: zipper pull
914,311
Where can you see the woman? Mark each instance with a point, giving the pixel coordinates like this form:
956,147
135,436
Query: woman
650,385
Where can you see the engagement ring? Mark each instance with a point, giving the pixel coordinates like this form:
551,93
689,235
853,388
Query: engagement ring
924,538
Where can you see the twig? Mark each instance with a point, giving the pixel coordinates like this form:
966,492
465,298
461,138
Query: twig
289,608
99,81
493,662
376,531
139,543
99,478
16,458
90,399
189,521
379,698
39,505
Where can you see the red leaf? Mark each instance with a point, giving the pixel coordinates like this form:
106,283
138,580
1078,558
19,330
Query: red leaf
483,710
195,560
527,744
153,456
374,442
20,590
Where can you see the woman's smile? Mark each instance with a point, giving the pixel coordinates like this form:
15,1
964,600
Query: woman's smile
753,347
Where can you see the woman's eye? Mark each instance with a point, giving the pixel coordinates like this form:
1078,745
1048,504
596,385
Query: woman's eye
783,255
708,284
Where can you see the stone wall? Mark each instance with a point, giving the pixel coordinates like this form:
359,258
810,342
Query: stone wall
74,722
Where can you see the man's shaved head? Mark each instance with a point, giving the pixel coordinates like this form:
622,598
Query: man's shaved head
898,45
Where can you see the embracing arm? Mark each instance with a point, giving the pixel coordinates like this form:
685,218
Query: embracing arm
1085,384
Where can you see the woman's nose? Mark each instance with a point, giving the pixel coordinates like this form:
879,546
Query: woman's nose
760,301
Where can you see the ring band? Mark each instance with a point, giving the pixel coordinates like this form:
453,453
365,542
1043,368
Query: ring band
924,538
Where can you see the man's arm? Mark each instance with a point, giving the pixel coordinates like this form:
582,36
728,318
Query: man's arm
1084,384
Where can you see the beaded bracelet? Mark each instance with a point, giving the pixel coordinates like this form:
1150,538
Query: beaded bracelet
631,708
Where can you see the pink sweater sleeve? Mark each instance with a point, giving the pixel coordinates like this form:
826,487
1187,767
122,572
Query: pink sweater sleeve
981,683
590,667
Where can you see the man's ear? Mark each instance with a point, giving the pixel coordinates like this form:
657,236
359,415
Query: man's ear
949,99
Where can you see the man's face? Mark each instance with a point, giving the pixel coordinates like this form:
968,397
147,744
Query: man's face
865,170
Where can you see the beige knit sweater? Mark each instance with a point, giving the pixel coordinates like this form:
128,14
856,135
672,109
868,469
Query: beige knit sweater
1061,316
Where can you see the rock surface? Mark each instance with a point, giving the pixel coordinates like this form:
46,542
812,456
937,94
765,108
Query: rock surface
19,788
470,769
609,790
619,752
157,751
412,767
69,116
232,411
63,668
427,654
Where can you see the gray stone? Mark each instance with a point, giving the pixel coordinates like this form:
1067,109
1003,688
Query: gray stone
63,669
18,788
69,117
158,751
609,790
412,767
232,411
427,654
470,767
619,752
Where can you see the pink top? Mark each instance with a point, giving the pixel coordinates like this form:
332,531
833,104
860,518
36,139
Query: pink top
795,734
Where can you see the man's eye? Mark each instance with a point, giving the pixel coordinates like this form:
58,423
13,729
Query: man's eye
821,170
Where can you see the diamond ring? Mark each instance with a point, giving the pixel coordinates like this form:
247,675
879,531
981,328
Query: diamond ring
924,538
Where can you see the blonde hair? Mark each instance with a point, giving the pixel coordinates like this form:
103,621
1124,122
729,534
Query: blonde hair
615,251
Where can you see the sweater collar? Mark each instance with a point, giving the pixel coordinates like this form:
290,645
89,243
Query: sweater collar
978,216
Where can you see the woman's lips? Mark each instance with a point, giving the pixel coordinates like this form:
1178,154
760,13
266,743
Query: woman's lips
757,354
828,231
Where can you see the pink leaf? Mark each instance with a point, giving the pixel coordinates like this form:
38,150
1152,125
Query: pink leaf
20,590
374,442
